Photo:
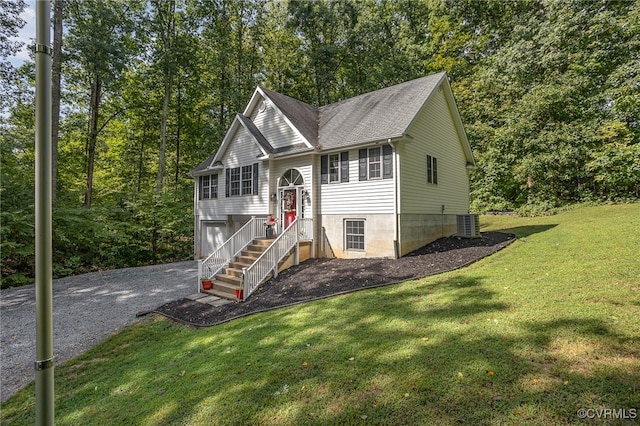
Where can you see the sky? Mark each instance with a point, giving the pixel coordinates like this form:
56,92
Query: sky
26,34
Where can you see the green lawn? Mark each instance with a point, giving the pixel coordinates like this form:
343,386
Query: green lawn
547,326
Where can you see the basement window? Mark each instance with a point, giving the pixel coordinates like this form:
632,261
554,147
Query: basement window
354,234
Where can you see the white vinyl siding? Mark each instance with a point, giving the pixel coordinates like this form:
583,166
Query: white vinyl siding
357,197
242,151
274,128
434,134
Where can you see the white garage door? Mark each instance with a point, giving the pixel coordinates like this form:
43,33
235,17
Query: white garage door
212,237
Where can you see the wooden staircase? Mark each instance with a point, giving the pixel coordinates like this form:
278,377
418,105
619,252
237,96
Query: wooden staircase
229,280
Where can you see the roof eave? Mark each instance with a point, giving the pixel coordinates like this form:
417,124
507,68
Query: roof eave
378,141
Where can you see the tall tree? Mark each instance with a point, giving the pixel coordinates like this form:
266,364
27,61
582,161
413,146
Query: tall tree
323,28
10,24
100,42
164,28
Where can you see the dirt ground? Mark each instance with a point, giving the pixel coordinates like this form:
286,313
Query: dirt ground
319,278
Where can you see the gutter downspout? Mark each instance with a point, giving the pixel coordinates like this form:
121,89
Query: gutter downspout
396,201
197,232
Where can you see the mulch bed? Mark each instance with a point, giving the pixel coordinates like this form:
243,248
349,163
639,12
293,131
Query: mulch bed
320,278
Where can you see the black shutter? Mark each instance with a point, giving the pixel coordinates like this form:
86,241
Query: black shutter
344,166
324,169
200,188
227,178
255,178
387,162
362,164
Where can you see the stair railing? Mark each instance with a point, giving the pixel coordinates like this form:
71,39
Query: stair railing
221,257
268,261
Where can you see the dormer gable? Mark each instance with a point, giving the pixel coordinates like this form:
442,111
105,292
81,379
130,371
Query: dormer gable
257,137
299,118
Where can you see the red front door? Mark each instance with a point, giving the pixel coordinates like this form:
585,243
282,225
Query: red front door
289,204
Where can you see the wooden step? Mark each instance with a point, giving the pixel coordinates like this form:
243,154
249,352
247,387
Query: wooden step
245,260
221,294
236,272
256,247
263,242
251,253
222,289
239,264
225,287
231,279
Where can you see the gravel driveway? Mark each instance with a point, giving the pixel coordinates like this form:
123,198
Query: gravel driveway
86,310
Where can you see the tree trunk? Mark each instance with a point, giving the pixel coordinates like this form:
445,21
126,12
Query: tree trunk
141,158
168,37
55,92
163,133
93,136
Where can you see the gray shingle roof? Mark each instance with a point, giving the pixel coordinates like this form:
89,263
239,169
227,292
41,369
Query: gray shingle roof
374,116
303,116
258,136
204,165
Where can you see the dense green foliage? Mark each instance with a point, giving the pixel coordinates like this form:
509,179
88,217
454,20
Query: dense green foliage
549,92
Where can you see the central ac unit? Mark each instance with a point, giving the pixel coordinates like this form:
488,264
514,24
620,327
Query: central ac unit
468,225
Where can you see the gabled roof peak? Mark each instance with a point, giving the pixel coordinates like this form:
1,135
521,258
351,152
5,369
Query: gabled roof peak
303,117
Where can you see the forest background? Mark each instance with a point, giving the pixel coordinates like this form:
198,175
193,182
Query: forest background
144,90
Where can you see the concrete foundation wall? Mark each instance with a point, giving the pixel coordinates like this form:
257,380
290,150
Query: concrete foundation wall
378,236
418,230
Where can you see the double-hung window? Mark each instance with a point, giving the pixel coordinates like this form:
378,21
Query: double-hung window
247,180
375,163
354,234
209,187
234,181
241,180
432,169
334,168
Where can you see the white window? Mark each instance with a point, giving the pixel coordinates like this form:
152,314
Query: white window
234,181
432,169
354,234
375,163
247,180
208,187
334,168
